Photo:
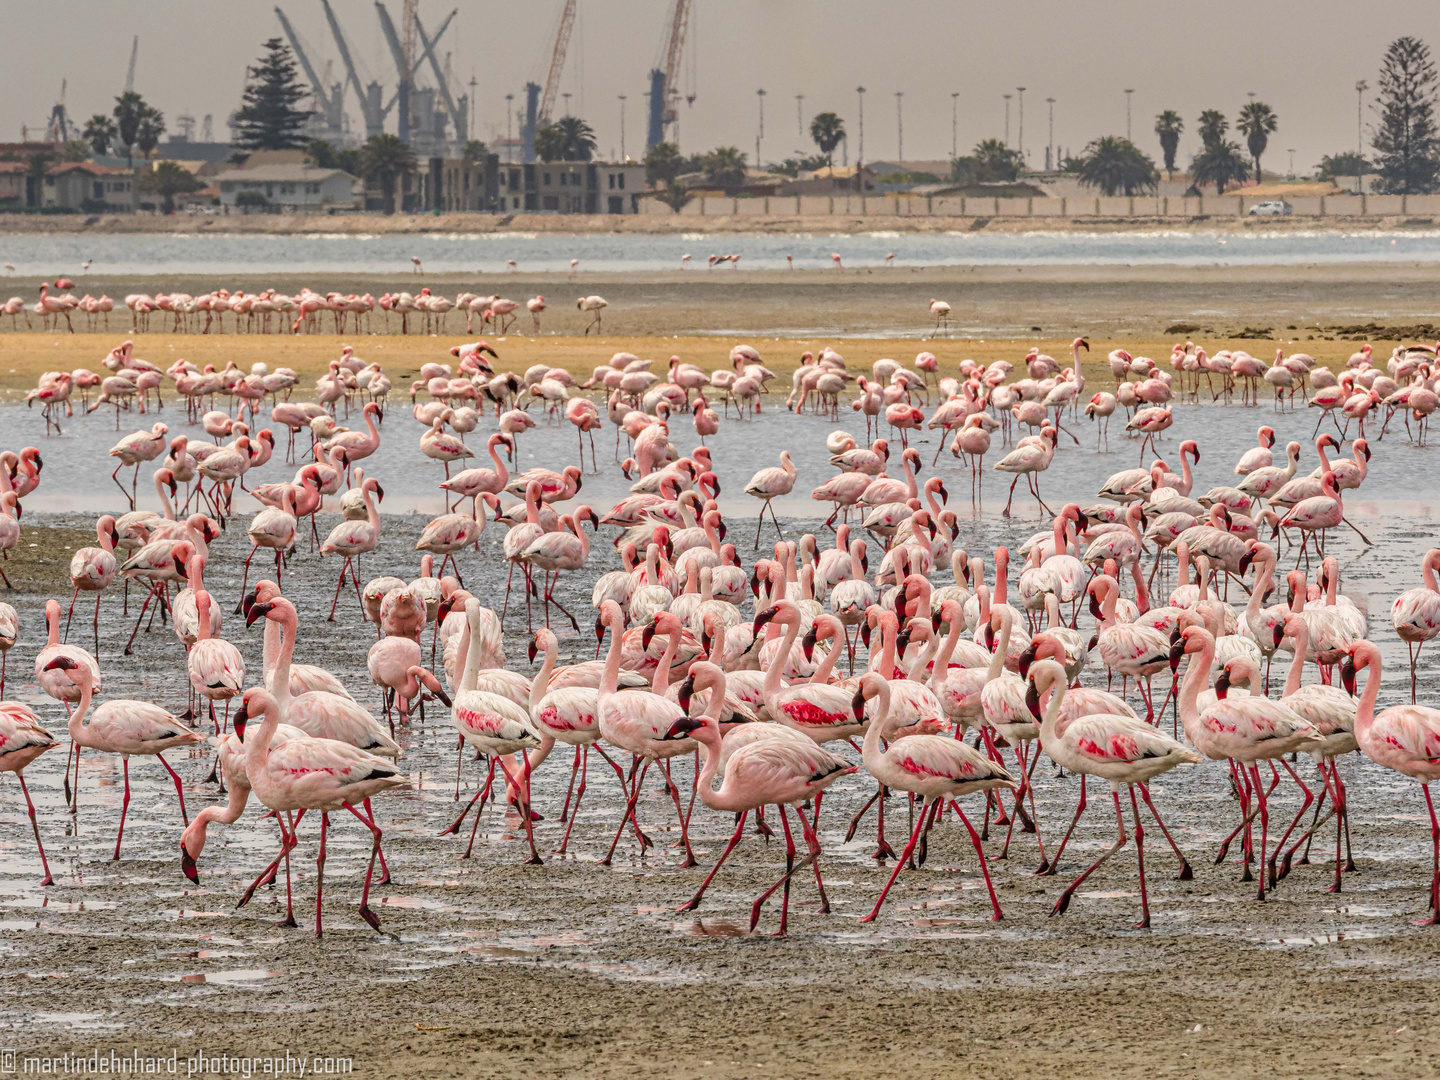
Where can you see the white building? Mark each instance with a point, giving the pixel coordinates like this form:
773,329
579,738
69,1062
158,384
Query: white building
290,186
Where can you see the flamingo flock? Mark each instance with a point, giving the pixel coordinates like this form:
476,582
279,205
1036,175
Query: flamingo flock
745,677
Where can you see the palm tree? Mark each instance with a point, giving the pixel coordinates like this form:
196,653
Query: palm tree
100,132
1258,121
387,159
827,130
1220,163
1117,167
1168,126
675,196
169,179
724,167
1213,126
577,139
663,163
997,163
549,144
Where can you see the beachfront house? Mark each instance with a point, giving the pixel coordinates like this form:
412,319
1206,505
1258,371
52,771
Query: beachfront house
297,186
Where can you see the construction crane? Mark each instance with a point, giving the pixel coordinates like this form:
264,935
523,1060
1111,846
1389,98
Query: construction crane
457,113
369,96
130,73
59,128
665,82
330,99
557,63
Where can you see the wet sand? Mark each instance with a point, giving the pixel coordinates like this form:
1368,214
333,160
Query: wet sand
491,968
1135,304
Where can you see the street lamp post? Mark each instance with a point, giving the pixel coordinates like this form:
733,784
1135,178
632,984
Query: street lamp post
760,132
1291,152
622,127
1021,91
1127,114
509,137
1050,162
899,126
860,146
1007,118
800,115
954,125
567,103
1360,88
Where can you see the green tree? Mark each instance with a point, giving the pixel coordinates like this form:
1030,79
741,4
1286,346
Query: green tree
76,150
149,131
549,144
1347,165
1117,167
325,155
675,196
268,118
100,133
1220,163
130,111
663,163
1213,127
1257,122
386,159
795,166
1168,126
474,151
577,139
827,131
1406,143
724,166
998,162
169,179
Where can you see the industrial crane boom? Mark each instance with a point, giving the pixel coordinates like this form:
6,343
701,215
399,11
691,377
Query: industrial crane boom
373,122
316,83
679,23
557,62
427,44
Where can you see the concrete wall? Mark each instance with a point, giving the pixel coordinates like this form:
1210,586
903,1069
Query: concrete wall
1086,205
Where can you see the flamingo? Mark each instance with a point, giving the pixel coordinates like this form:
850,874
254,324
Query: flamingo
771,483
768,772
312,774
132,450
1115,747
125,727
593,304
1028,459
92,569
939,308
353,539
1404,738
1415,613
936,767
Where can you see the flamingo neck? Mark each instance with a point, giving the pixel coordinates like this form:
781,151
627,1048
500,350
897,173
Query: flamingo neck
661,681
1297,666
870,752
1142,594
1427,570
1051,717
542,677
611,678
827,663
772,677
1365,711
997,659
257,747
1197,678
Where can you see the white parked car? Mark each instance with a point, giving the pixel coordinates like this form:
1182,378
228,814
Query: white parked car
1275,208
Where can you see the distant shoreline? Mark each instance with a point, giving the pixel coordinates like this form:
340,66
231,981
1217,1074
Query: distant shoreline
644,224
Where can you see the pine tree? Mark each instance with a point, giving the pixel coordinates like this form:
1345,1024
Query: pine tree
268,119
1407,145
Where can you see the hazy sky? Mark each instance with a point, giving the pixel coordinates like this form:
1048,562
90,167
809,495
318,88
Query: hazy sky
1303,59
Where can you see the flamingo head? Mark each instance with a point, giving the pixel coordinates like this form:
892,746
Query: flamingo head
686,725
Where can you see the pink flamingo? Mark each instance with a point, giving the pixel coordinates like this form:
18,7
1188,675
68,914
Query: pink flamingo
1114,747
312,774
22,740
217,670
535,305
1244,730
134,449
768,484
1416,613
353,539
92,569
472,483
1405,738
778,772
555,552
125,727
935,767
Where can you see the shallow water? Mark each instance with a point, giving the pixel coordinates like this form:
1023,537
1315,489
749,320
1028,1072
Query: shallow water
456,253
619,924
